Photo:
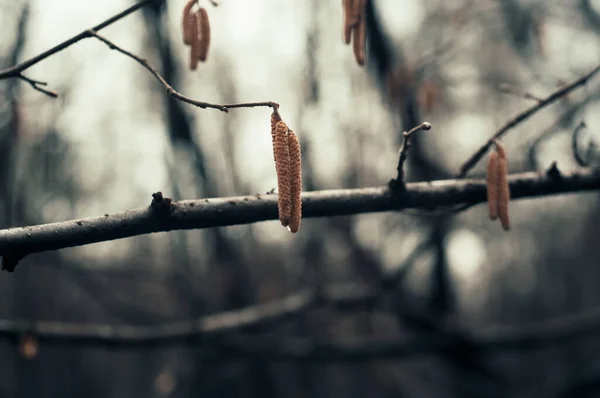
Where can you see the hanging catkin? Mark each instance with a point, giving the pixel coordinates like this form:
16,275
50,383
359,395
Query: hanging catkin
498,190
359,33
282,167
348,6
295,181
274,119
204,32
195,49
187,22
492,185
503,187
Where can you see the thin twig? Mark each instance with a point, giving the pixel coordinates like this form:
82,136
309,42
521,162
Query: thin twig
36,85
521,117
15,243
16,70
510,89
406,138
170,90
574,140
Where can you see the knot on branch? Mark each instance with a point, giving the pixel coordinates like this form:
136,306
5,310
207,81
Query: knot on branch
161,205
553,172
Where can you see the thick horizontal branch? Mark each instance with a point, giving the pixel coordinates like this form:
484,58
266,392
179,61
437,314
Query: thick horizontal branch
15,243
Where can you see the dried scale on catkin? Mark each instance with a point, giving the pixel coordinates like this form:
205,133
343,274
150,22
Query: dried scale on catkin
498,189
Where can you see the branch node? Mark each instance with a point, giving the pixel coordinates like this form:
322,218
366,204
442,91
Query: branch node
398,184
160,204
553,172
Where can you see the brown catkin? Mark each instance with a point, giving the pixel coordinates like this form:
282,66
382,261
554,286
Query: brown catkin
187,22
295,181
282,167
195,50
204,32
492,185
503,188
274,119
359,36
348,6
358,9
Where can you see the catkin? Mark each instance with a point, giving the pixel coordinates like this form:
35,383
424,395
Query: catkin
348,6
503,188
187,22
204,33
195,50
359,36
358,10
492,185
295,181
282,168
274,119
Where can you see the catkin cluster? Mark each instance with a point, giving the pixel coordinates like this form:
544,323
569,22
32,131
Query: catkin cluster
355,27
498,190
288,166
196,32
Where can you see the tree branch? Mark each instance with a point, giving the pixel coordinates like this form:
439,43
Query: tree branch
164,215
452,334
344,296
406,137
521,117
15,71
170,90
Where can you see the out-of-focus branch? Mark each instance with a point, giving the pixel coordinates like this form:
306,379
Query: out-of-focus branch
574,140
170,90
164,215
343,296
531,336
452,332
521,117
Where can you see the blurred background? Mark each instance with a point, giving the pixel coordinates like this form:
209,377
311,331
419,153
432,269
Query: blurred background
113,137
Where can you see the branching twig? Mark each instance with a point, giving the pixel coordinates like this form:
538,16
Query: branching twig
170,90
36,86
406,137
15,71
15,243
521,117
